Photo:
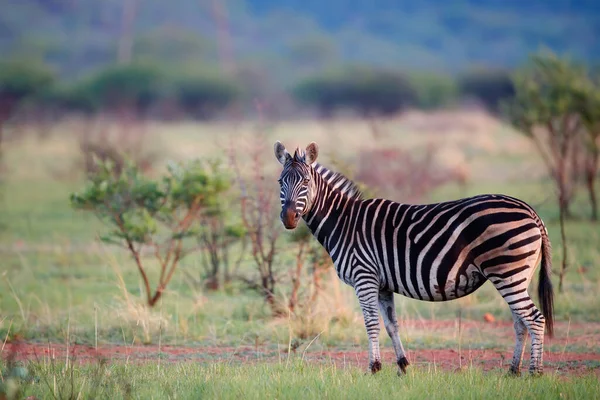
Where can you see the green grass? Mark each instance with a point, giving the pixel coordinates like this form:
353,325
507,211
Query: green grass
284,380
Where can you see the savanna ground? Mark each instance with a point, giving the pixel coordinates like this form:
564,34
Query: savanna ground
72,312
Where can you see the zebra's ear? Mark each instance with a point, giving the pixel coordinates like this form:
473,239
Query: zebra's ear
312,151
281,154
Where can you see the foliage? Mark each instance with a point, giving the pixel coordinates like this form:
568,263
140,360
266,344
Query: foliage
21,79
367,91
158,215
489,86
134,87
67,98
204,95
219,231
590,117
434,91
546,109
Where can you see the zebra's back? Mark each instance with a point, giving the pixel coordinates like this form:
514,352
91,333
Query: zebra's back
443,251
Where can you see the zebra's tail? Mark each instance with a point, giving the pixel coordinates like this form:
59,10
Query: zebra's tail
545,292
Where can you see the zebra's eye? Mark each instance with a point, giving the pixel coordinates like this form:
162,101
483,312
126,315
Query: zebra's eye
305,181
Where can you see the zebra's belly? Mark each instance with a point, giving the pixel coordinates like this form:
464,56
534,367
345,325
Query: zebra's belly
461,284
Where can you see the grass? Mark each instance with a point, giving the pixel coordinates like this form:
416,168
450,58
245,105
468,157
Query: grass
58,284
295,379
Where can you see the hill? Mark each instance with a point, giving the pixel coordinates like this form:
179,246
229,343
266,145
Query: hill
290,37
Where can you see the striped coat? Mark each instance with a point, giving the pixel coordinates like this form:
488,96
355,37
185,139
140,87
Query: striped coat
430,252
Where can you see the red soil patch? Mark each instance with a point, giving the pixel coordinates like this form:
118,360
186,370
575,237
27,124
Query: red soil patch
450,360
585,336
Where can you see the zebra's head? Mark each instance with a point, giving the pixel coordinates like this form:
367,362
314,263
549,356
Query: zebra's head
297,188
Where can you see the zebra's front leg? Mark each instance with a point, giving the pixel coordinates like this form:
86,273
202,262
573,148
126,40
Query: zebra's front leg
368,298
388,312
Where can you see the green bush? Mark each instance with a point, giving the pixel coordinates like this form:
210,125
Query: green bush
65,98
202,95
326,92
364,90
20,80
490,86
159,215
434,91
134,87
137,87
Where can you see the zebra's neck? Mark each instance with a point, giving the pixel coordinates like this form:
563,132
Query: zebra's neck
334,194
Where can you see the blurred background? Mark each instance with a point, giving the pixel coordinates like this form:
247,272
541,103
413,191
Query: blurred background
418,101
201,57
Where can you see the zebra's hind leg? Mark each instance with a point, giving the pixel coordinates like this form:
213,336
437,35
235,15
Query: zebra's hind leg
525,311
521,337
388,312
368,298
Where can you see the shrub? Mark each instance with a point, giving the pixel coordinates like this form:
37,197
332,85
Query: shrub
204,95
434,91
364,90
19,80
159,215
590,117
67,98
489,86
546,109
132,87
219,231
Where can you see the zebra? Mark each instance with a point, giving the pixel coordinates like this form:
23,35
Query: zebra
430,252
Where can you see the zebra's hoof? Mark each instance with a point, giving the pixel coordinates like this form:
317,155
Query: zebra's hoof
375,366
514,371
402,364
534,373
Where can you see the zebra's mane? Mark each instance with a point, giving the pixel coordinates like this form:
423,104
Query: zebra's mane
339,182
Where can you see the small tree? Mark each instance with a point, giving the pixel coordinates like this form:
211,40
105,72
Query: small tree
590,115
434,91
490,86
147,214
325,92
546,109
367,91
258,202
124,89
218,233
202,96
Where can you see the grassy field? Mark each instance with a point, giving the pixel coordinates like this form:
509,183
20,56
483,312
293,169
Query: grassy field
292,380
59,284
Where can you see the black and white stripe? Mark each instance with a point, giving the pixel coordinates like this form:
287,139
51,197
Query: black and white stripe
430,252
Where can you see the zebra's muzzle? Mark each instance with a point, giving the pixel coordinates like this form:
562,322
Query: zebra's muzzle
290,216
